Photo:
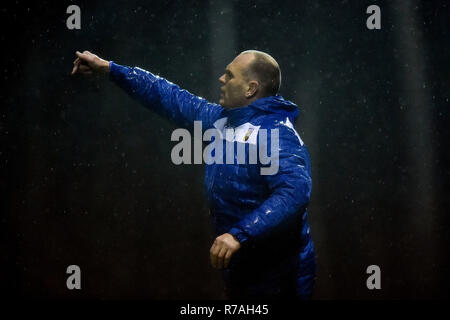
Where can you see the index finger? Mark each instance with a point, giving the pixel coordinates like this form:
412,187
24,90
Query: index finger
82,56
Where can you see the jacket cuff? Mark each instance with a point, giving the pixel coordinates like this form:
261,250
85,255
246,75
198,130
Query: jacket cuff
116,71
239,235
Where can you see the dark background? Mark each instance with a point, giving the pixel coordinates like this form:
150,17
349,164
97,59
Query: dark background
86,175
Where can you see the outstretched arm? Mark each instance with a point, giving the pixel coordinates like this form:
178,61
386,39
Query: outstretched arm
152,91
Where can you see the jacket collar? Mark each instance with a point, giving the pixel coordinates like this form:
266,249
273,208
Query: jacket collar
273,104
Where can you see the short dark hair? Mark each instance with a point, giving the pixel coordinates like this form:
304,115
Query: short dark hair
266,70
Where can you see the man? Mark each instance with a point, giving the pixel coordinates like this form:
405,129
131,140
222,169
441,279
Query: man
262,240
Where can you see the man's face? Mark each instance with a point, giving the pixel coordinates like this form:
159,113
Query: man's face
234,84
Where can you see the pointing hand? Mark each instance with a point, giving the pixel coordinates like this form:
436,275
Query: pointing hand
89,63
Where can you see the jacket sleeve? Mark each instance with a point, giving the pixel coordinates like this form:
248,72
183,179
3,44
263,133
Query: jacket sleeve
290,190
164,97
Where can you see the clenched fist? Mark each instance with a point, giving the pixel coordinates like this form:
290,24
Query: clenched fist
89,63
222,250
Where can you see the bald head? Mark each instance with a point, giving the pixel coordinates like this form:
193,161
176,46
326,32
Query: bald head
250,76
264,69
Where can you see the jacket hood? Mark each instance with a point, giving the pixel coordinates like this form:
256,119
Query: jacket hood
277,104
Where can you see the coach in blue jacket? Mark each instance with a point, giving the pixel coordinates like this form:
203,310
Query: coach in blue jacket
263,243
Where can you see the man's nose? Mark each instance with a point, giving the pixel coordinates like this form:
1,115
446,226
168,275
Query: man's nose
222,78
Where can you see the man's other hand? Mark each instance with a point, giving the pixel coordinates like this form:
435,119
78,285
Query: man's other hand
222,250
89,63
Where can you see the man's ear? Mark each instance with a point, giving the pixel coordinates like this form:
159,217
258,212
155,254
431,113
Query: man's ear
253,88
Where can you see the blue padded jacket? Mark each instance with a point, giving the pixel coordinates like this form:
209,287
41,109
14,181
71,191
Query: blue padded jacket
266,213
